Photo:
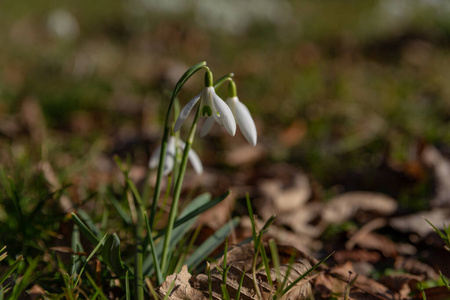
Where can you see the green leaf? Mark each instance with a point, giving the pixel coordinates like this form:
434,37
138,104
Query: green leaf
99,244
211,243
197,206
111,254
11,269
84,229
156,263
306,273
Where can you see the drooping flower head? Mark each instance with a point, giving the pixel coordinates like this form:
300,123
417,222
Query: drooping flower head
241,114
171,151
212,107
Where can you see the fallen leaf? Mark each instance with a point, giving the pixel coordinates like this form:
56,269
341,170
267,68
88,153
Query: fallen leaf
441,169
286,197
403,284
344,207
416,223
244,154
415,267
178,287
340,280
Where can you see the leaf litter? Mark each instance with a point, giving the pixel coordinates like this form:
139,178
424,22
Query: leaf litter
383,256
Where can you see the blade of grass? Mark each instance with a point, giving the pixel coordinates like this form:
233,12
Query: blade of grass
100,243
11,269
26,279
266,263
88,221
97,289
225,294
211,243
84,229
306,273
178,232
127,287
275,259
159,276
241,282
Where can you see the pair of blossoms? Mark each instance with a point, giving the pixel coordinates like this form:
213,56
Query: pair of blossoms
226,113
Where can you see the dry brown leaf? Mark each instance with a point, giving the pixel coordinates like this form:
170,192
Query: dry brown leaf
343,256
237,270
336,282
287,197
300,221
416,223
375,241
294,133
244,154
36,292
33,118
415,267
179,288
403,284
218,215
346,206
303,242
65,203
303,289
435,293
441,169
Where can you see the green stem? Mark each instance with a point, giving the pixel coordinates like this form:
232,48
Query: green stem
139,280
177,192
165,138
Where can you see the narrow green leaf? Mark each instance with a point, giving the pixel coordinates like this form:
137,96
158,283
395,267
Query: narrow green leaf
84,229
153,252
11,269
123,215
194,212
225,294
266,263
306,273
100,243
27,277
111,254
89,223
127,287
178,232
438,231
241,282
98,290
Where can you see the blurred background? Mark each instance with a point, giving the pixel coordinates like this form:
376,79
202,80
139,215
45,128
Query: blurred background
348,91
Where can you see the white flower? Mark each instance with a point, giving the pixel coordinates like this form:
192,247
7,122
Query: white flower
243,118
211,107
170,157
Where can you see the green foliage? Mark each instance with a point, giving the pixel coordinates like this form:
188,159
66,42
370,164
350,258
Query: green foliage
445,236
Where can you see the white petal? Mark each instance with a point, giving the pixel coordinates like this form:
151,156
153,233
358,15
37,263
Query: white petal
185,112
168,164
169,159
226,116
207,126
154,158
196,162
245,122
193,158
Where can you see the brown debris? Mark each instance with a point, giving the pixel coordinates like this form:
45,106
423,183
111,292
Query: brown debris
347,205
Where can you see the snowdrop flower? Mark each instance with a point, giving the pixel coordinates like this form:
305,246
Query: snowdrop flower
211,107
241,114
169,161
